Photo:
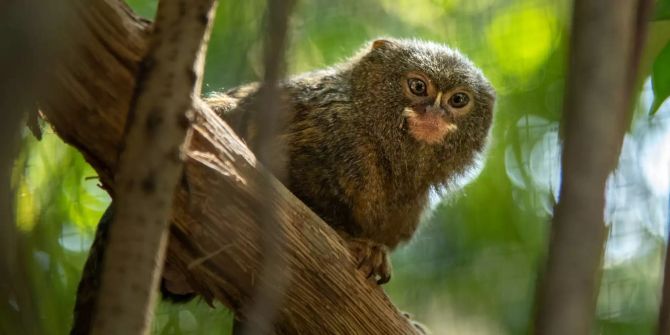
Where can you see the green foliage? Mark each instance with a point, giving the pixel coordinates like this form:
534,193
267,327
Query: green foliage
660,78
473,266
662,11
58,207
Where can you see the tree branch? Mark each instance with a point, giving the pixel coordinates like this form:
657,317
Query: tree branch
215,237
150,166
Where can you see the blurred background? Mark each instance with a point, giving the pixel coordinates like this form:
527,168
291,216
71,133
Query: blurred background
472,268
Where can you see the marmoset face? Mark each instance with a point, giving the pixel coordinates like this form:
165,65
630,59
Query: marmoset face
445,95
431,93
433,112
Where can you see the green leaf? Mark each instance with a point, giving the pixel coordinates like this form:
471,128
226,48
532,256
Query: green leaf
660,78
662,11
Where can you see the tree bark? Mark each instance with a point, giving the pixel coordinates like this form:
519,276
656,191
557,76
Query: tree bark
603,60
215,238
151,165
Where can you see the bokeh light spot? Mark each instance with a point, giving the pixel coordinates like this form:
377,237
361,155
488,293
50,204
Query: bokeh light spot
522,39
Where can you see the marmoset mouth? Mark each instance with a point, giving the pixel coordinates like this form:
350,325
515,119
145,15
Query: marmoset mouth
429,127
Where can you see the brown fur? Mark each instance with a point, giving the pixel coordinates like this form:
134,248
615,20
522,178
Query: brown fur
352,152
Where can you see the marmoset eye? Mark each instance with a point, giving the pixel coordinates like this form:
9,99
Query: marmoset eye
459,100
417,86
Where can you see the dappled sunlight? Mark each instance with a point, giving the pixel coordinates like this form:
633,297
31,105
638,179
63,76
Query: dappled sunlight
637,191
27,207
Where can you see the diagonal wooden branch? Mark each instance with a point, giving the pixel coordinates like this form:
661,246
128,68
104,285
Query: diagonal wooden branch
150,166
215,238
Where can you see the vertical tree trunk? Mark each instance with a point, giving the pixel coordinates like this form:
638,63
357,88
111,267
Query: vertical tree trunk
596,115
151,165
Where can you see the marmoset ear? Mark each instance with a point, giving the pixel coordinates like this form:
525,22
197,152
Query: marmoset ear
381,43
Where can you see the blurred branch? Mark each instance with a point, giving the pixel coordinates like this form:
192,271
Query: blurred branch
27,29
604,55
150,166
274,275
215,236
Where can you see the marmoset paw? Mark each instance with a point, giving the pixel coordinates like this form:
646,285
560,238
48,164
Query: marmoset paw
371,258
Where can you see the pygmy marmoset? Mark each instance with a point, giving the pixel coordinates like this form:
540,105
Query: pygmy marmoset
362,144
364,141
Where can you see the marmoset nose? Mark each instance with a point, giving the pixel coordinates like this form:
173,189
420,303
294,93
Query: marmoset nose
438,100
436,107
437,110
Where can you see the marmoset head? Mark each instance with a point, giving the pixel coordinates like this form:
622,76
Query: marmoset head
425,95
